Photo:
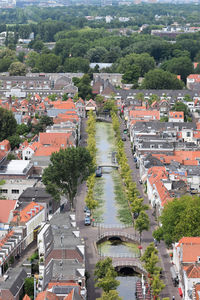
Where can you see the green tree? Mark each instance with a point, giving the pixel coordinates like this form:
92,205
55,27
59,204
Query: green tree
108,282
32,58
66,170
142,223
131,75
8,124
179,218
48,63
151,264
76,64
46,121
102,267
17,69
29,286
111,295
160,79
96,54
147,253
181,66
22,129
157,286
15,141
84,87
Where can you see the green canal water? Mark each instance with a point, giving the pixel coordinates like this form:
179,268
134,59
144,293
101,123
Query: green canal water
113,207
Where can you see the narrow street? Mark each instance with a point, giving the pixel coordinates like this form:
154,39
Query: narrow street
169,290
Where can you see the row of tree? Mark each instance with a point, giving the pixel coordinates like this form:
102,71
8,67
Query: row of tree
150,259
91,147
137,207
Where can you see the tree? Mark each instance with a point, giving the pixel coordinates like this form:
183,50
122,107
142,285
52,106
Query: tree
96,54
22,129
29,286
46,120
15,141
181,66
131,75
32,58
76,64
160,79
157,286
48,63
8,124
84,87
142,223
101,268
17,69
67,168
108,282
150,264
111,295
179,218
147,253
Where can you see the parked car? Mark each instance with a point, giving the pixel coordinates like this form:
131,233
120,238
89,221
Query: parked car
98,172
140,181
87,213
123,138
86,208
87,221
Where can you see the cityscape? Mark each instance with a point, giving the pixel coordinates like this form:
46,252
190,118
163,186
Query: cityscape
99,150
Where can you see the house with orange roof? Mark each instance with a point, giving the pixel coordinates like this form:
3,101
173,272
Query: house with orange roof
4,149
46,295
186,260
176,116
80,107
158,186
29,220
6,214
193,82
90,105
65,290
40,109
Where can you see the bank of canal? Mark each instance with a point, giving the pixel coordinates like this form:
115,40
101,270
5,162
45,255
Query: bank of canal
113,210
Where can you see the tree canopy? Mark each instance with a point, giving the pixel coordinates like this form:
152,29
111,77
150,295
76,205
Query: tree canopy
179,218
8,124
67,168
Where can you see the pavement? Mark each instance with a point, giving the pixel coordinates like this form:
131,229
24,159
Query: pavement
90,233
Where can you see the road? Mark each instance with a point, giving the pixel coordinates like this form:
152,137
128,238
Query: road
169,290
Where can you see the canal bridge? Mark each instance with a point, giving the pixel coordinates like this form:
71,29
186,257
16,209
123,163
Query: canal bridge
109,166
117,235
133,263
103,119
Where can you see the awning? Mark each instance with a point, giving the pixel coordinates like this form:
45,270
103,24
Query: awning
180,292
173,273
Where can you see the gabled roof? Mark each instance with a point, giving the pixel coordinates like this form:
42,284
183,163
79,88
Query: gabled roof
46,151
60,139
27,213
176,114
46,295
26,297
193,271
190,253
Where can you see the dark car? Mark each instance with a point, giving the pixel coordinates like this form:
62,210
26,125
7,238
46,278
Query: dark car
123,138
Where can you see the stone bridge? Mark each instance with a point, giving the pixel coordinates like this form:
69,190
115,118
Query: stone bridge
109,166
103,119
132,263
117,235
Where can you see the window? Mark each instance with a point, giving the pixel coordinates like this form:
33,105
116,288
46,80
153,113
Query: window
4,191
15,191
188,134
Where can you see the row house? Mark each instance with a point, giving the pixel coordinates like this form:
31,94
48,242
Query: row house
62,253
4,149
193,82
186,263
27,221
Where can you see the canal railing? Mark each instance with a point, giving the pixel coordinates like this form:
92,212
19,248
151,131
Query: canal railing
118,234
101,225
129,263
119,255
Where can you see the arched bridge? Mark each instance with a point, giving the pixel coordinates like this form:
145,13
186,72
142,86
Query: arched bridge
109,166
117,235
134,263
103,119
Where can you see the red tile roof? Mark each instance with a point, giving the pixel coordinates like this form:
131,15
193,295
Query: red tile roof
6,208
30,211
60,139
144,114
176,114
193,271
46,295
46,151
190,253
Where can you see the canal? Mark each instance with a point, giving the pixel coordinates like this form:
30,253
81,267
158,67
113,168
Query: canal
113,211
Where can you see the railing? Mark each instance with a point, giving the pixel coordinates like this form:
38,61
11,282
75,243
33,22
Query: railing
100,225
120,255
120,234
129,264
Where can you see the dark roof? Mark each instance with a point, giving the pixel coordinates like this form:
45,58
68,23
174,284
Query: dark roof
180,184
152,161
15,280
34,192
